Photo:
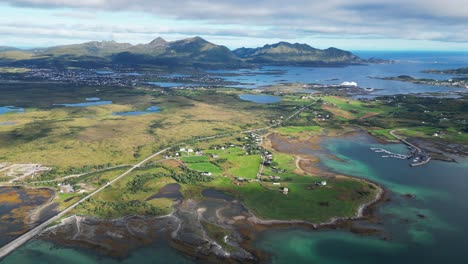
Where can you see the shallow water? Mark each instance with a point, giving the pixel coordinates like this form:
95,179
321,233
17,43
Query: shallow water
15,207
41,252
430,228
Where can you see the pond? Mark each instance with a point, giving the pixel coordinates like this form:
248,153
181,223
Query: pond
86,104
149,110
93,99
260,99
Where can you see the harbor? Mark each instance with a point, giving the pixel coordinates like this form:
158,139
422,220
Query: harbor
416,155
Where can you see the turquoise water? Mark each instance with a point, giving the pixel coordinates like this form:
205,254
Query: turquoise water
86,104
149,110
10,109
260,99
41,252
440,191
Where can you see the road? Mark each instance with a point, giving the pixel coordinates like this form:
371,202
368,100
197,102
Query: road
10,247
79,175
404,141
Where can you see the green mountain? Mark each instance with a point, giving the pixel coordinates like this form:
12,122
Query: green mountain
186,52
93,49
287,53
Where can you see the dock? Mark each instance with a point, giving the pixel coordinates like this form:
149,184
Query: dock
420,156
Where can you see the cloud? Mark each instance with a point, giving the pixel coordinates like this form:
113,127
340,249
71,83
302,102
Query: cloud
404,19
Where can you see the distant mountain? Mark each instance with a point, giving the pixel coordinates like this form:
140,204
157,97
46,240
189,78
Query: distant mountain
93,48
5,48
287,53
186,52
192,51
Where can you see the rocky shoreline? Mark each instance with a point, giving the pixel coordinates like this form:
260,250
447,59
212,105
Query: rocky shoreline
211,230
183,230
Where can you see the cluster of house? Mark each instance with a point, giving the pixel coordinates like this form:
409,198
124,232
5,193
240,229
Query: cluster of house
222,147
252,144
267,158
88,77
183,151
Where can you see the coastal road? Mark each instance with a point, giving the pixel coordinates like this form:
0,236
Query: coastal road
10,247
403,140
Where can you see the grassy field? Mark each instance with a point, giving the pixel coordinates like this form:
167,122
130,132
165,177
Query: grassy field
78,136
305,201
204,167
238,164
298,129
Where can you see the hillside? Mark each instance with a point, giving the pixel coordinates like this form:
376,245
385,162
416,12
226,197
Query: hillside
287,53
186,52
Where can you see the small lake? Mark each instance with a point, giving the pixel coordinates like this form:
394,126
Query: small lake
149,110
93,99
260,98
86,104
9,109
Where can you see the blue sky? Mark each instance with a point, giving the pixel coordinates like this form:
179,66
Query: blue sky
353,25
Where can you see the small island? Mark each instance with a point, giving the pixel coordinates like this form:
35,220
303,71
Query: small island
459,82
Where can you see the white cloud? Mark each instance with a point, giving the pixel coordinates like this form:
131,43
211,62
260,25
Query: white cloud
293,19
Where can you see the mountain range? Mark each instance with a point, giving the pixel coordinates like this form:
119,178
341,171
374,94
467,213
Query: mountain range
186,52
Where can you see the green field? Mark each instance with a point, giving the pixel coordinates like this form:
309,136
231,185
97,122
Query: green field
317,204
204,167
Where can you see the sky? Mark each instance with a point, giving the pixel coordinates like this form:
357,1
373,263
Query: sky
347,24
